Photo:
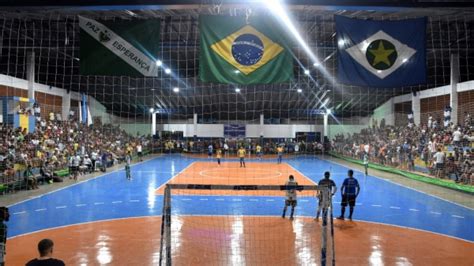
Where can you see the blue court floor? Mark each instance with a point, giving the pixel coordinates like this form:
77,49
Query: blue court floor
111,196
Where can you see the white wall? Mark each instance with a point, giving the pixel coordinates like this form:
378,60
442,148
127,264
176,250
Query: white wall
344,129
133,128
385,111
98,110
279,131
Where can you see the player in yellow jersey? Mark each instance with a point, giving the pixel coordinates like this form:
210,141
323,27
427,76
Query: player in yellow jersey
241,152
280,153
258,150
219,155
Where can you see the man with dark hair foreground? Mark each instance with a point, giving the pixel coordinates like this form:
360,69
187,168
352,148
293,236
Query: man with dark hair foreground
45,248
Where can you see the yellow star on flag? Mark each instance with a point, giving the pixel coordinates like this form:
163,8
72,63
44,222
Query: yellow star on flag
381,55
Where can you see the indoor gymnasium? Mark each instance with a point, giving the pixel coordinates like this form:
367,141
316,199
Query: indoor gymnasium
246,132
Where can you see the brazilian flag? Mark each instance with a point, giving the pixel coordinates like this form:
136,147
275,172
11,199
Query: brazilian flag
239,51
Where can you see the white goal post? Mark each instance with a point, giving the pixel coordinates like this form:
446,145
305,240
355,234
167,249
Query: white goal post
326,248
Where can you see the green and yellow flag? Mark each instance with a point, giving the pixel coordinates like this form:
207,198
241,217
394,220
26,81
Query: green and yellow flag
237,51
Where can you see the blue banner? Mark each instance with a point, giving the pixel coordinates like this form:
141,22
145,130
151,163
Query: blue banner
234,131
381,53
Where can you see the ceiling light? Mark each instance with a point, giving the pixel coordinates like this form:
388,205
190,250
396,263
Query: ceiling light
316,64
341,42
306,72
176,89
237,90
299,90
168,71
159,63
404,60
152,110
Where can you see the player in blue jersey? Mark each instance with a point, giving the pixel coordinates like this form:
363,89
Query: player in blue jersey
350,190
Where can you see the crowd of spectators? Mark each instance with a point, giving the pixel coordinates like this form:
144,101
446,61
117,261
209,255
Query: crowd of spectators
27,159
445,152
230,146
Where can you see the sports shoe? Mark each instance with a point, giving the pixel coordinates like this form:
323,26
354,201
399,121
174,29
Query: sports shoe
340,218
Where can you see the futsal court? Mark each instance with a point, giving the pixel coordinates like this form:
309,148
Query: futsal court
113,115
116,221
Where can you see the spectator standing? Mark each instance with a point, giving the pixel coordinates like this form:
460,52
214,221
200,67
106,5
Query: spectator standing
94,155
140,152
457,135
439,162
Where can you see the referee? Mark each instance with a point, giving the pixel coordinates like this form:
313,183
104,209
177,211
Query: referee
350,190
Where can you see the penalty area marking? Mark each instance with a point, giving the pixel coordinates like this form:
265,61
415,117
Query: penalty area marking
271,173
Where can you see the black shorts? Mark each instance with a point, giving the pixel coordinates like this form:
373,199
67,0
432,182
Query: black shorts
291,203
74,169
440,166
348,199
140,154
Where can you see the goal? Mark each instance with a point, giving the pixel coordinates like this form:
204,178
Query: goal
243,225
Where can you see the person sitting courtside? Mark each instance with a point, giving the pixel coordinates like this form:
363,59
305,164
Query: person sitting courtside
45,248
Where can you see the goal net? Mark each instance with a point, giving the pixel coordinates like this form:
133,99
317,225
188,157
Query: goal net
243,225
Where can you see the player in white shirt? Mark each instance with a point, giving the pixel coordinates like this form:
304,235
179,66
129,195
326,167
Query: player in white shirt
140,152
290,197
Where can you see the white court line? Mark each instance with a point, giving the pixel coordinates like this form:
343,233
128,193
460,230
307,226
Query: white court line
395,207
80,205
457,216
253,199
358,204
304,200
437,213
203,199
61,207
15,213
270,200
98,203
185,199
40,210
395,183
217,215
78,183
173,177
217,169
310,180
117,201
220,199
376,205
134,200
236,199
413,210
337,202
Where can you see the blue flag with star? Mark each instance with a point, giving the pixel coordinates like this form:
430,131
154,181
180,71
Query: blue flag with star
381,53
